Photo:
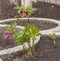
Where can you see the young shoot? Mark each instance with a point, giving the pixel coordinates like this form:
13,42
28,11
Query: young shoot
53,36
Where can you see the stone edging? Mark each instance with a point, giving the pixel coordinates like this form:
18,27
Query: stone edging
19,48
1,59
55,29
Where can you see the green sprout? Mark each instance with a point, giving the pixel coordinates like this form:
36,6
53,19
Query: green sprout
53,36
12,28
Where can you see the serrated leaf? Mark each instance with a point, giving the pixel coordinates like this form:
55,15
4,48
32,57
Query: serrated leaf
33,38
19,7
13,25
31,10
38,34
52,35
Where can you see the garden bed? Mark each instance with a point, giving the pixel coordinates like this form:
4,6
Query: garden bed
45,51
5,43
44,10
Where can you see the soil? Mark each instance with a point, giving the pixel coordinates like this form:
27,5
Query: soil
44,10
47,10
45,51
43,25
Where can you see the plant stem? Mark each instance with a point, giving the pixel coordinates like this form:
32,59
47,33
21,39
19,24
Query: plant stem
28,20
33,46
29,51
24,47
54,43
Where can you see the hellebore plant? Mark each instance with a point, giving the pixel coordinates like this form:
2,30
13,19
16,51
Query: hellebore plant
30,32
11,30
53,36
25,12
7,35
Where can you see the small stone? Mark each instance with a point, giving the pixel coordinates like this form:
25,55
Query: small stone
52,6
1,47
1,59
16,59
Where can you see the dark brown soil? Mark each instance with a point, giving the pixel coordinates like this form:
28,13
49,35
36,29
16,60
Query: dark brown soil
43,25
46,10
45,51
5,44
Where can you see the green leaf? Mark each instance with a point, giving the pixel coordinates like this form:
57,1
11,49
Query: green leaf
32,30
52,35
18,34
38,34
29,32
19,7
33,38
31,10
13,25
